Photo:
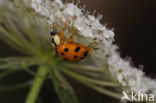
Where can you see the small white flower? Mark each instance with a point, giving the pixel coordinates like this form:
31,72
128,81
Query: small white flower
89,27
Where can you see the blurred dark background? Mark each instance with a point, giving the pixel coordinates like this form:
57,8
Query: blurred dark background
134,23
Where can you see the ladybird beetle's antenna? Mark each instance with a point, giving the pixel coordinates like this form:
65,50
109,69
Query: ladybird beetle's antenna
54,27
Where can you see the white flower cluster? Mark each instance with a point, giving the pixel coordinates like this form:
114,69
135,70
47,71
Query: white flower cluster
89,27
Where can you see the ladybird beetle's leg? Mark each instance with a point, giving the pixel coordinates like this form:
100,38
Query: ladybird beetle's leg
65,24
71,38
61,34
63,29
90,50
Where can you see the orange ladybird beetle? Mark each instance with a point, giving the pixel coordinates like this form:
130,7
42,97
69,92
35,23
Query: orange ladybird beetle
67,49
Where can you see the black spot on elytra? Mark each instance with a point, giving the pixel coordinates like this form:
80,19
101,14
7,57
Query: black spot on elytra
86,53
66,49
52,40
62,53
77,49
75,57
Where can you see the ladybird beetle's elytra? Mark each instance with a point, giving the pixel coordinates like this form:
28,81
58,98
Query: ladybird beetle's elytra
68,49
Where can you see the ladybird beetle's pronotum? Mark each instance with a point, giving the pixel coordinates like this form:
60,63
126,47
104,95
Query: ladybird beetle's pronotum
67,49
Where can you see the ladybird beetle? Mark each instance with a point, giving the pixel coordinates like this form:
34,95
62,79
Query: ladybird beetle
67,49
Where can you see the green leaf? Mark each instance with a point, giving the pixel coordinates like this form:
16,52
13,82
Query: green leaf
63,88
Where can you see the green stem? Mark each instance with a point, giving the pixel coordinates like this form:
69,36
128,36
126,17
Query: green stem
87,79
36,86
91,83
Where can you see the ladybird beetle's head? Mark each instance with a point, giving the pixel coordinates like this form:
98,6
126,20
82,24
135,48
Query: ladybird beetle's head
53,32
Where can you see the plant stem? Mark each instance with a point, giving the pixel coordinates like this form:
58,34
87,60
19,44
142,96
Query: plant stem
36,86
91,83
